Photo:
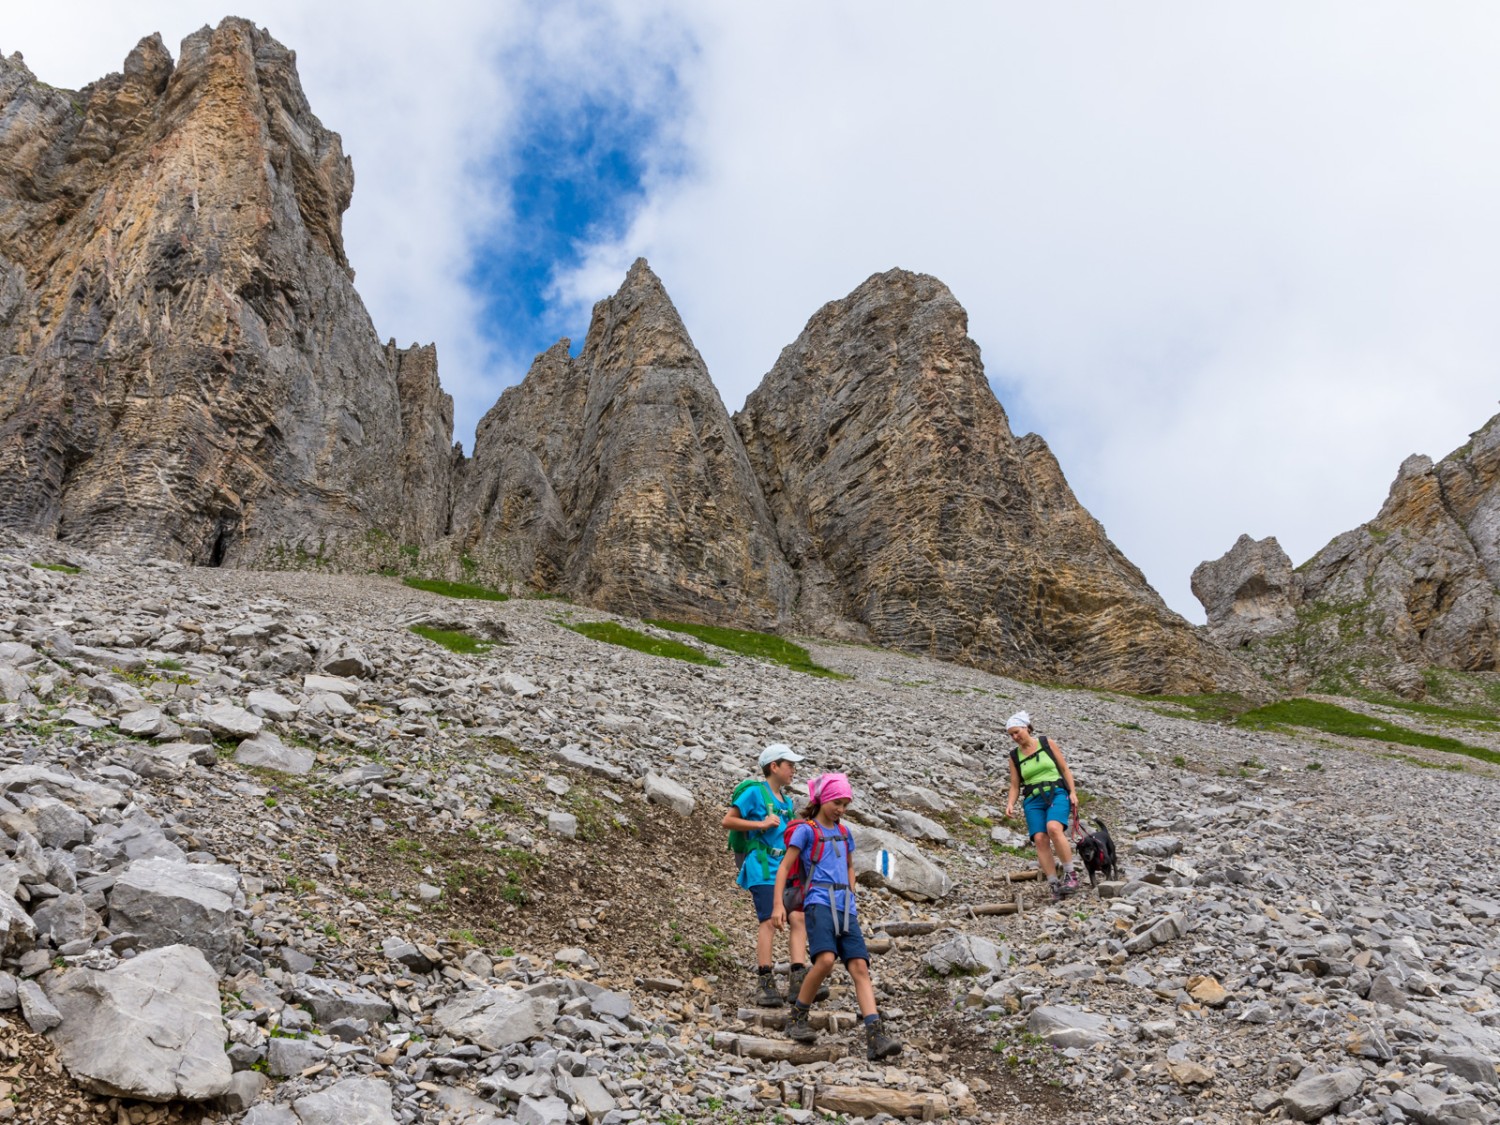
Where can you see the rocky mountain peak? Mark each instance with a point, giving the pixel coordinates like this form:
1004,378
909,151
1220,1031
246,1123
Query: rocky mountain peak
906,504
1418,586
187,369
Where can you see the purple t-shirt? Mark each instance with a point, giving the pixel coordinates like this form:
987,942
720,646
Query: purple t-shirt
832,868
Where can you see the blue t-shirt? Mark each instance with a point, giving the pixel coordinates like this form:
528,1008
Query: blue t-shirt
832,868
759,868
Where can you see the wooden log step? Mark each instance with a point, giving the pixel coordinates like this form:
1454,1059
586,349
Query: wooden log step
1024,876
867,1101
879,944
905,929
993,908
778,1050
777,1017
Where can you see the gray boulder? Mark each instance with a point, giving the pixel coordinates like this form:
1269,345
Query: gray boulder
86,796
965,953
65,919
165,902
353,1101
40,1013
17,930
149,1028
907,871
1321,1094
1158,932
331,1000
231,721
918,827
664,791
496,1017
1066,1026
266,751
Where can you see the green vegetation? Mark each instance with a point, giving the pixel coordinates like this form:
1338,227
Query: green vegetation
456,589
61,568
455,640
1218,707
611,633
1312,715
761,646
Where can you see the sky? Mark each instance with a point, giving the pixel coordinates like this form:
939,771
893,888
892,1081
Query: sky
1234,261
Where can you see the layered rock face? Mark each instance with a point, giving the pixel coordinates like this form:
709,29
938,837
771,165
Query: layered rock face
185,368
1418,586
618,477
905,503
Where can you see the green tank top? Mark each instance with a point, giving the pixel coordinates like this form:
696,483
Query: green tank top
1037,768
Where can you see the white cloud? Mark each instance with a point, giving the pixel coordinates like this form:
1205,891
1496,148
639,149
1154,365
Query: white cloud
1234,261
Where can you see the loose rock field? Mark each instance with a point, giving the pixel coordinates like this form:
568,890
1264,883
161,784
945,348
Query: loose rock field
268,855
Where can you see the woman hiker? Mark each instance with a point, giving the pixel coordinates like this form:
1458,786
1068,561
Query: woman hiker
1039,774
819,860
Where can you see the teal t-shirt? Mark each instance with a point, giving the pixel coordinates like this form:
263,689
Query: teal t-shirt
759,868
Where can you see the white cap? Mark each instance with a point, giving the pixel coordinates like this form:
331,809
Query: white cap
778,752
1019,719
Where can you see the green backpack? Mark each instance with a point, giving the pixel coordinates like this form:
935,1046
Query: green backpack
740,842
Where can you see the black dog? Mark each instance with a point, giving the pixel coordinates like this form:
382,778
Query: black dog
1097,850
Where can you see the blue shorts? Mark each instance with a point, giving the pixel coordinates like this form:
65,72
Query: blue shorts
849,946
1047,806
764,899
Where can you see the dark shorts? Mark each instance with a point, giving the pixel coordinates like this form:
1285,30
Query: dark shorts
1045,807
849,946
765,901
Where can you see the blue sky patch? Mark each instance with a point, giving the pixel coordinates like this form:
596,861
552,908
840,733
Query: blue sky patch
576,174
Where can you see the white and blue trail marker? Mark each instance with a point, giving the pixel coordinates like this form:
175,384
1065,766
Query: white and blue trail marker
885,864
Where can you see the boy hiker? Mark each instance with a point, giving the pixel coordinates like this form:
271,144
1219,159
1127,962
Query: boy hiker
757,811
819,869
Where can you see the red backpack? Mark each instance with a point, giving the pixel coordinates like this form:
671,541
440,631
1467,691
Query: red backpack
797,881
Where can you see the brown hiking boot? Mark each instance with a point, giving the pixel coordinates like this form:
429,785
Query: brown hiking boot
879,1045
765,994
798,1027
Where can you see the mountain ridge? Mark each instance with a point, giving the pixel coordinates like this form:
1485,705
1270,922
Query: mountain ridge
186,370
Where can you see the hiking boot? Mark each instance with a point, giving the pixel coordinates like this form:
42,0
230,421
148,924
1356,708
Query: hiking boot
798,1027
879,1045
765,995
1070,882
1056,887
794,986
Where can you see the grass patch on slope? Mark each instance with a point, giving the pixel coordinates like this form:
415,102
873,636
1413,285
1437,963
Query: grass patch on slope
454,640
1218,707
611,633
1310,714
456,589
761,646
60,568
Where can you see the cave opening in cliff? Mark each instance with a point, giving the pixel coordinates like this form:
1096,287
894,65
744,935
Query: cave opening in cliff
220,547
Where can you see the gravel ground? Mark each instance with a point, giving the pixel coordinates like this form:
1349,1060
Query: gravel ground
1305,927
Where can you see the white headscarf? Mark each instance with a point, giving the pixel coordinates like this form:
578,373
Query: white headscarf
1019,719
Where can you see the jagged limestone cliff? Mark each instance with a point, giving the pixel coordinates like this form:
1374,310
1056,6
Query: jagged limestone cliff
905,503
1417,587
185,368
618,478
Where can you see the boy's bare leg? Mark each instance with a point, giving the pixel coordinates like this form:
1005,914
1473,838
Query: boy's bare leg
797,940
764,938
822,965
864,987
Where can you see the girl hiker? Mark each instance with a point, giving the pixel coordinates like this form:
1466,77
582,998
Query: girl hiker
758,810
819,860
1039,774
